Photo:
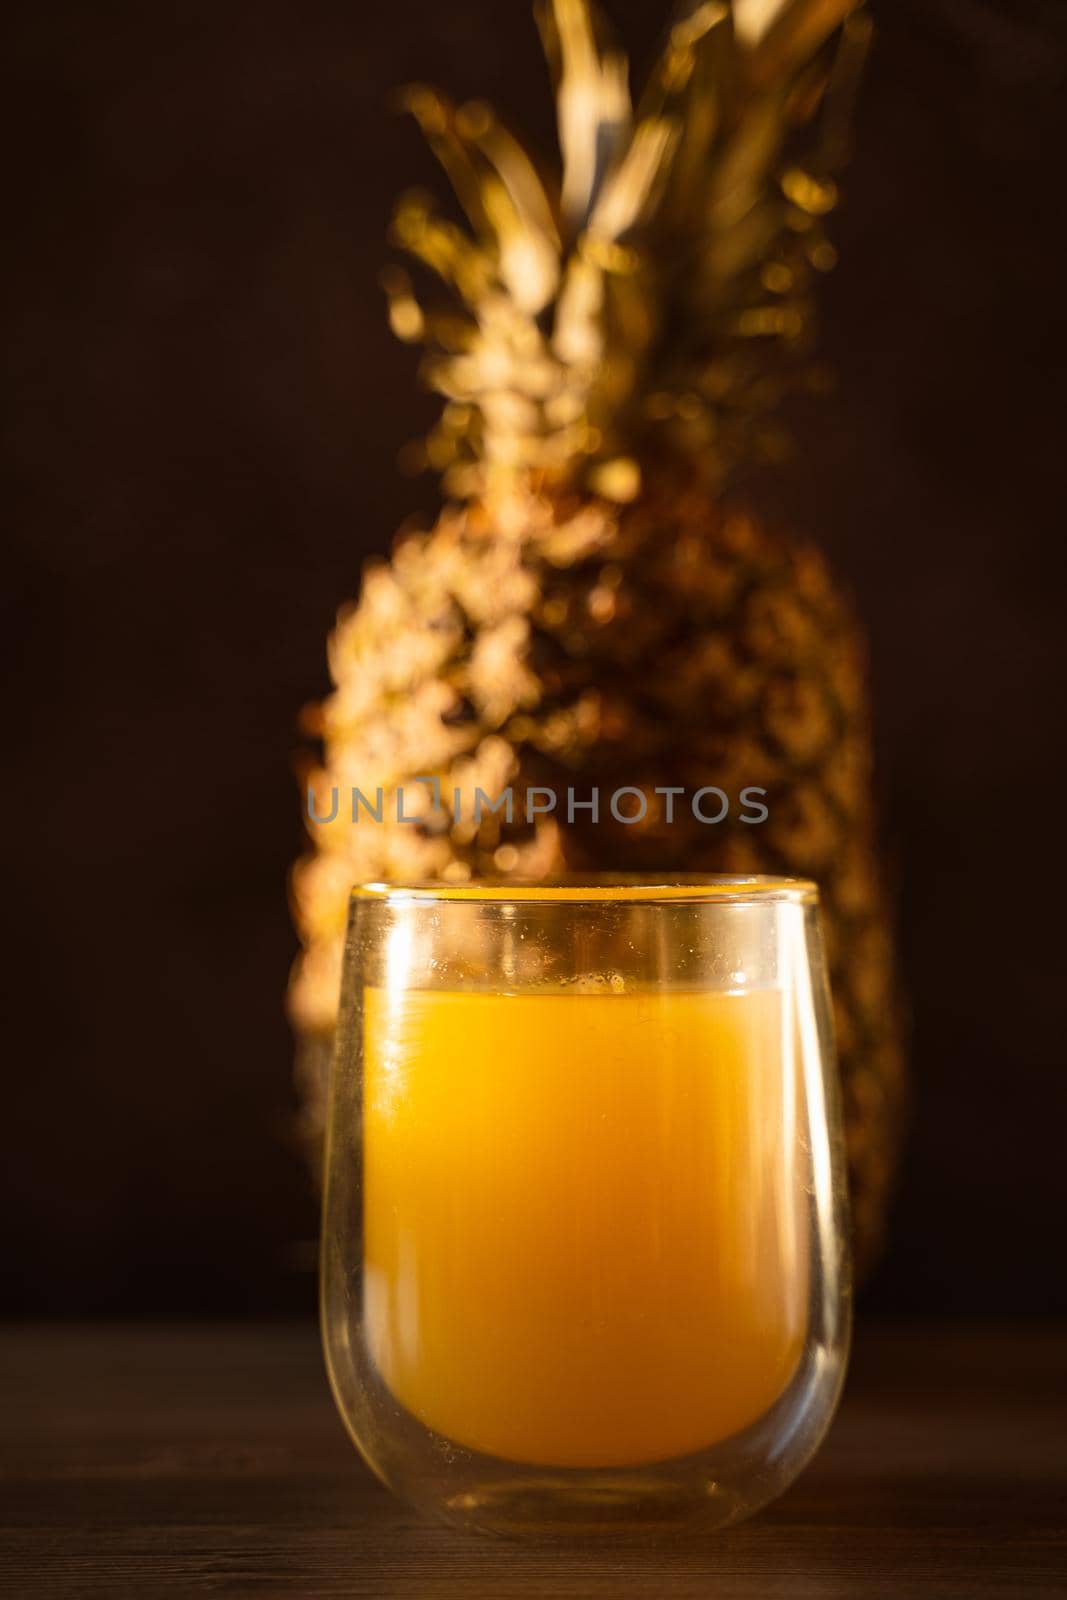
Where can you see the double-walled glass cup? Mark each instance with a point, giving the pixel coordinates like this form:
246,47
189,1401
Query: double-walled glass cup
583,1262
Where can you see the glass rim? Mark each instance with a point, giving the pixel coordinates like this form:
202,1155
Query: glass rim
600,888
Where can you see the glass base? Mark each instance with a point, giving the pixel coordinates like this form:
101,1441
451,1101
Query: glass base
667,1500
620,1510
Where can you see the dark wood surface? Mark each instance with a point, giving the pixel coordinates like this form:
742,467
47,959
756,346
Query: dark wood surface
208,1460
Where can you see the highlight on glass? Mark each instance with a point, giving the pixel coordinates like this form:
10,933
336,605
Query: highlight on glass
584,1261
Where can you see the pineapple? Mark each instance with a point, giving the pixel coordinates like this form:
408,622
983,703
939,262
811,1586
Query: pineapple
596,605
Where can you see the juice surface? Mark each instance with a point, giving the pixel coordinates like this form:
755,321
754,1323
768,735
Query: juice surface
584,1218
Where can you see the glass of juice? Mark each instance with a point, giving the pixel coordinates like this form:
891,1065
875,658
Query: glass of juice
584,1260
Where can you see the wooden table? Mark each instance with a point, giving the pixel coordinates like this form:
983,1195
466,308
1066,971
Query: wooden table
208,1460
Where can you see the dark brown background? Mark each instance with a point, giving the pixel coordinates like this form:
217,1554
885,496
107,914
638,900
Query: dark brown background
207,408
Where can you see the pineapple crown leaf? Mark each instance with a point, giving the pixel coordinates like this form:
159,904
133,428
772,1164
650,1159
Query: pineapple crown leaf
660,285
593,105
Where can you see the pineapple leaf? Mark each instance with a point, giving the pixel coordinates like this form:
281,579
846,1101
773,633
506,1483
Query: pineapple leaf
526,186
593,101
449,252
435,115
632,188
694,79
518,207
498,188
797,32
841,90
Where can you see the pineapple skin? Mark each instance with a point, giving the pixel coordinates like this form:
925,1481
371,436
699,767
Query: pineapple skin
565,641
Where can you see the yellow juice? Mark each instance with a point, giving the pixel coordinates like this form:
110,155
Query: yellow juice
584,1218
